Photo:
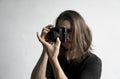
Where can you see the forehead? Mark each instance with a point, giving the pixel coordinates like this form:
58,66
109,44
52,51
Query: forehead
67,24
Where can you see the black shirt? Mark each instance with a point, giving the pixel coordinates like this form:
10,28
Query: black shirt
88,67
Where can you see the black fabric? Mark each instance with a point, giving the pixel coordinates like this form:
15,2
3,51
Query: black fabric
88,67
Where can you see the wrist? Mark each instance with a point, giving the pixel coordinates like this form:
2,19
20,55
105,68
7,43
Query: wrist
44,53
53,59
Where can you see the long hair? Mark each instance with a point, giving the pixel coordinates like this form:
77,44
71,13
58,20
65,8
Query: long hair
81,34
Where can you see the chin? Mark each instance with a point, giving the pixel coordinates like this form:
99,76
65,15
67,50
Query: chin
66,47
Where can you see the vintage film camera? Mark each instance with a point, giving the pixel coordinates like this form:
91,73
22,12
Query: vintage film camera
55,32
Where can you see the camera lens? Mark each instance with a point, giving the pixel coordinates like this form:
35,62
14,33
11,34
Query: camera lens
52,36
57,32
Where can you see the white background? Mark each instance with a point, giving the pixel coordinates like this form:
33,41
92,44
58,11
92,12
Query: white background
21,19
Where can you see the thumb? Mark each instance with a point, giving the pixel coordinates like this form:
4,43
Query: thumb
58,42
41,39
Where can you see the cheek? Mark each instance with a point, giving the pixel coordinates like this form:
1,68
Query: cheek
67,44
69,38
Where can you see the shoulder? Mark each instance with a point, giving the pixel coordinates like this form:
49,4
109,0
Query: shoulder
91,67
92,63
93,58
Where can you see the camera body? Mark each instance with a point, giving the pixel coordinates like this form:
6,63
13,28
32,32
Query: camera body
55,32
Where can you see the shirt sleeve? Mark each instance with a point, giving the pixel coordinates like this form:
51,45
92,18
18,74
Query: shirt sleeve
92,69
49,71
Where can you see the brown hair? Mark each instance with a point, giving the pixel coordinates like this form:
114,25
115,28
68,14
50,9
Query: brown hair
81,33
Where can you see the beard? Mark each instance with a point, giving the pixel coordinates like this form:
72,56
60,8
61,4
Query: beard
65,49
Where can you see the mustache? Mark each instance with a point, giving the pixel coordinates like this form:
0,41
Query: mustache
66,49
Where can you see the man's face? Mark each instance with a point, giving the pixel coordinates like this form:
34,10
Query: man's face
67,44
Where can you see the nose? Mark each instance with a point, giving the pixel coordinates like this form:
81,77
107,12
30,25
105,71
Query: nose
68,37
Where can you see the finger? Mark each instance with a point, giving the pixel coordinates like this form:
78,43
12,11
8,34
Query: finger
58,42
42,40
44,32
38,35
46,29
49,26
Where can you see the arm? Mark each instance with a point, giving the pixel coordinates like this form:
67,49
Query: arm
39,71
53,57
52,50
57,70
